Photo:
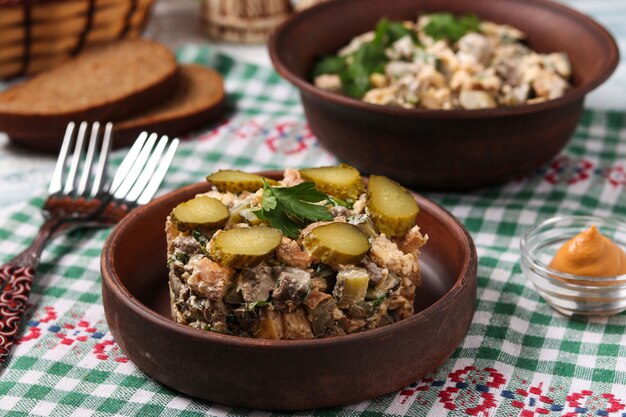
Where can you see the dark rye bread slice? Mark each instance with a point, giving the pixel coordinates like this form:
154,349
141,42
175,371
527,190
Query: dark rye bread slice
198,99
106,83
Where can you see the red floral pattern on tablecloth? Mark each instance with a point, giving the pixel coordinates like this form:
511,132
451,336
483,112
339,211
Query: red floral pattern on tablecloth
486,392
587,403
570,170
287,137
472,390
534,401
78,333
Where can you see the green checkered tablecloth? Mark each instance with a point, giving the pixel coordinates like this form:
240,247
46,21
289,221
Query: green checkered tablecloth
520,358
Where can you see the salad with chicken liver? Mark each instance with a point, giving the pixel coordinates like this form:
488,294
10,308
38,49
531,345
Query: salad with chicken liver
317,254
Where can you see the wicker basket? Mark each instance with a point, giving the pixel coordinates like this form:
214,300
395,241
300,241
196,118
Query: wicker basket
247,21
38,34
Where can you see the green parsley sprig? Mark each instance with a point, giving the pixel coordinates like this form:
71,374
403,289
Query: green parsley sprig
291,208
447,26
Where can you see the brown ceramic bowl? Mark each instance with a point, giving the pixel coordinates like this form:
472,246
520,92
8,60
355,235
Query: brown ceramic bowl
283,374
444,149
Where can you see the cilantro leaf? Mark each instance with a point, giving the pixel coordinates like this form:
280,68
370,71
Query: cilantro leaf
368,59
387,32
201,239
278,220
298,200
329,65
291,208
304,191
182,257
269,201
355,81
446,25
340,202
355,69
378,301
252,305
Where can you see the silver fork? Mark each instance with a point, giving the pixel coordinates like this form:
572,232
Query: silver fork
79,195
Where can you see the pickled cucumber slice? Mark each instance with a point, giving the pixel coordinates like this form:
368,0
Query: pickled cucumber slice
351,286
342,181
392,208
337,244
244,248
235,181
200,213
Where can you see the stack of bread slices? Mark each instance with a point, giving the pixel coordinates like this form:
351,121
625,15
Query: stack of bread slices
136,84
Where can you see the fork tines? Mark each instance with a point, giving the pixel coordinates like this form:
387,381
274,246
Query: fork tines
135,181
142,170
82,173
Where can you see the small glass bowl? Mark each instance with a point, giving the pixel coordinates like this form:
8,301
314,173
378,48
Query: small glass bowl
572,295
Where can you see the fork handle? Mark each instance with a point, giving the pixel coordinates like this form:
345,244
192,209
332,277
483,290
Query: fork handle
13,301
16,278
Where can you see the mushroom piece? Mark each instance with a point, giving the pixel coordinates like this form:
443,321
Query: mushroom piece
474,100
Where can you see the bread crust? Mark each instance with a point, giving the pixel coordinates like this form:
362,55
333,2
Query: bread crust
171,127
37,126
166,122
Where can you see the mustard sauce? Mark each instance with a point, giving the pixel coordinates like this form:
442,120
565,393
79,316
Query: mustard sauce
590,254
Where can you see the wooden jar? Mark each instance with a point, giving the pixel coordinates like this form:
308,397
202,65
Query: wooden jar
247,21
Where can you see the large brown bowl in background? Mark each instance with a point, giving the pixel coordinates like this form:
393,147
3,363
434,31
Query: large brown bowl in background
283,374
443,149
